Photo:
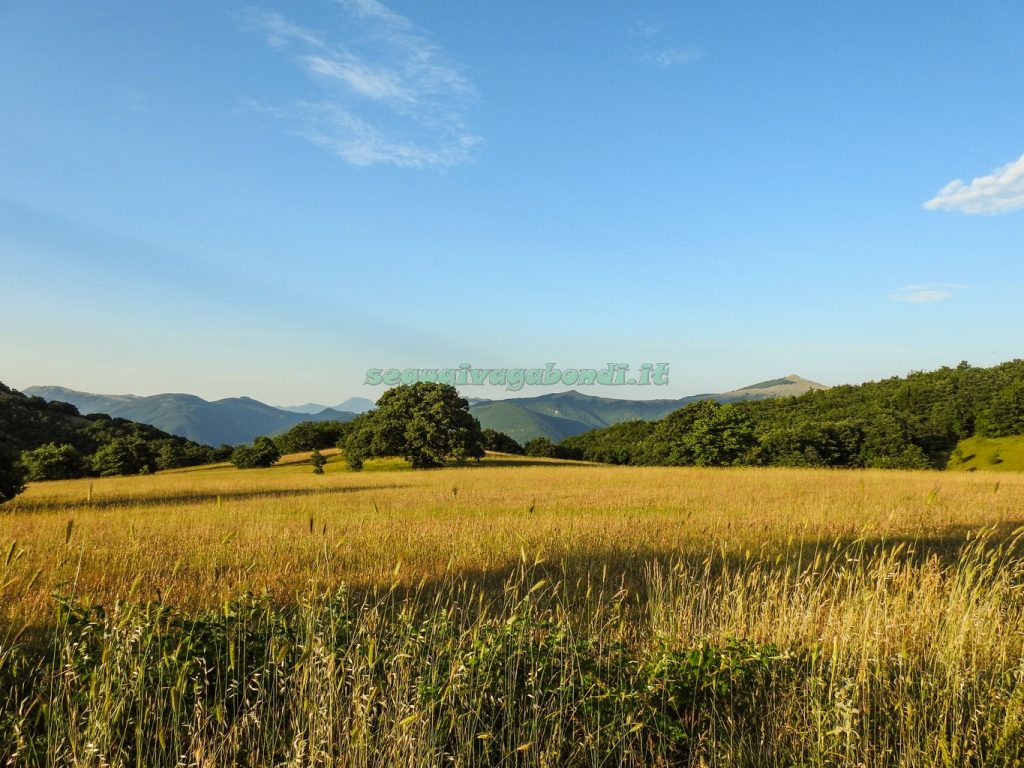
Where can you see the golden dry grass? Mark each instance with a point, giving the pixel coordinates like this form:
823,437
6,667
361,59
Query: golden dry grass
199,537
549,614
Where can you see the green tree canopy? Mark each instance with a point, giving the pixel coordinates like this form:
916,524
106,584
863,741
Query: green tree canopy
357,443
425,423
53,462
262,453
618,444
1004,414
500,442
124,456
703,433
310,435
541,447
318,460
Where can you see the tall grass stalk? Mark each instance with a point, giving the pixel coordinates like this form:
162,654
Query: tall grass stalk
851,655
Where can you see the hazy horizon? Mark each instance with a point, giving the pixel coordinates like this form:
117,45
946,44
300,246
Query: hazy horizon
468,391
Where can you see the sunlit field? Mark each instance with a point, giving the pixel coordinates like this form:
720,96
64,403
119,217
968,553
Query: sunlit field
515,612
194,538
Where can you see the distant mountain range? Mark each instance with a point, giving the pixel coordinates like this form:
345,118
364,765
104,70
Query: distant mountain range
237,420
232,420
564,414
352,405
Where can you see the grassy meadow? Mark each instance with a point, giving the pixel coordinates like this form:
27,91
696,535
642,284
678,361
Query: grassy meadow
991,454
517,612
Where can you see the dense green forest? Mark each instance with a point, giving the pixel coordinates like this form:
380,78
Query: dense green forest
52,440
910,422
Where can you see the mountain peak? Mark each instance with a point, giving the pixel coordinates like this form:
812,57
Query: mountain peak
793,384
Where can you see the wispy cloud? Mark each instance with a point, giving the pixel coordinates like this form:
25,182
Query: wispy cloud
673,57
924,292
645,30
663,57
279,31
999,192
388,94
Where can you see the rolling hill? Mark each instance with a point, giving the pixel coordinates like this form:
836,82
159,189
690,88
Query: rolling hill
563,414
237,420
232,420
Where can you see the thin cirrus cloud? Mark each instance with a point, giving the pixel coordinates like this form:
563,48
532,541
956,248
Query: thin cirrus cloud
387,93
648,34
998,192
673,57
924,293
645,30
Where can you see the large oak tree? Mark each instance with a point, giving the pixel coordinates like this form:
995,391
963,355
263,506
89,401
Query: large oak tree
425,423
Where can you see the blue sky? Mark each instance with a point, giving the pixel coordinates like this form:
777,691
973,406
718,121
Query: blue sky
267,199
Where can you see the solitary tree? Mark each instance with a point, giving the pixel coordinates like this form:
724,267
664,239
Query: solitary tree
318,461
426,423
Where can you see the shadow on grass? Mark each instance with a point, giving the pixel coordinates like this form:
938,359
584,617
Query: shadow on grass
525,461
582,580
205,497
625,569
198,468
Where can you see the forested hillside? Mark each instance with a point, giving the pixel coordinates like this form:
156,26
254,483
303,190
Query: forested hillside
560,415
910,422
55,441
232,420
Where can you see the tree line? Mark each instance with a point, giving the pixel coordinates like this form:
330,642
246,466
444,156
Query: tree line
911,422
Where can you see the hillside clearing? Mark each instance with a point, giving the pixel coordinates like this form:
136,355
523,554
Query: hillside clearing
992,454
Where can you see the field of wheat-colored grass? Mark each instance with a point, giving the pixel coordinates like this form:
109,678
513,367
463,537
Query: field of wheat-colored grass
514,613
197,537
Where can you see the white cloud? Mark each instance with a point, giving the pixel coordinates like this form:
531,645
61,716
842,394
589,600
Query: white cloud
374,10
645,30
375,84
358,142
279,31
647,34
389,95
924,293
999,192
673,57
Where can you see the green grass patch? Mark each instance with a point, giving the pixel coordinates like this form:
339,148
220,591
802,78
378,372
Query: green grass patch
999,454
